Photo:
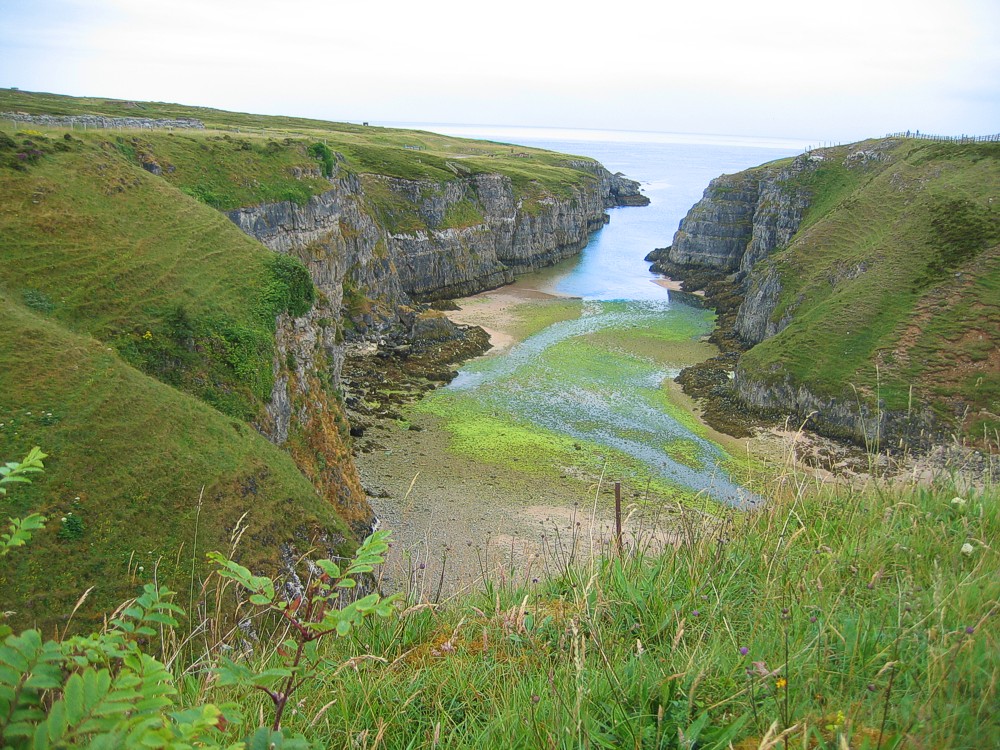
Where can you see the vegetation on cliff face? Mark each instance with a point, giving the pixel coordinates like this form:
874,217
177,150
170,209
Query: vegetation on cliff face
883,306
139,331
893,285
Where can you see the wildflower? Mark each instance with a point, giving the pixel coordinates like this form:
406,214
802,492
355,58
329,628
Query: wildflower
147,335
535,698
744,651
871,687
967,549
958,502
780,683
141,568
64,519
695,613
970,630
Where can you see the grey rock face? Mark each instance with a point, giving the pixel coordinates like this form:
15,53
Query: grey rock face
475,234
841,417
754,321
741,219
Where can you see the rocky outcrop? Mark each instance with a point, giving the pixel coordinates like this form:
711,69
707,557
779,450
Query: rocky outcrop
755,318
101,121
376,248
740,220
852,420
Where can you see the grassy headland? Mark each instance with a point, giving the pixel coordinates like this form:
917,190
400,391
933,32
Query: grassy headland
893,284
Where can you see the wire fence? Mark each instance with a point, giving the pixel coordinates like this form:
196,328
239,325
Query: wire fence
952,138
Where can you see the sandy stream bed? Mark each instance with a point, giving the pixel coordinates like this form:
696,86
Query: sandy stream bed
446,510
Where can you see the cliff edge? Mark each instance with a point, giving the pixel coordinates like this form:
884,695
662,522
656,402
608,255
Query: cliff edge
857,290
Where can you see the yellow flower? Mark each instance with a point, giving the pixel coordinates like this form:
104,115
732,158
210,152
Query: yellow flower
781,683
147,335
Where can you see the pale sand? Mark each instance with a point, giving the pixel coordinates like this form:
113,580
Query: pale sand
493,311
675,286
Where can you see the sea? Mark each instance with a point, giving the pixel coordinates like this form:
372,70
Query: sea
620,409
673,168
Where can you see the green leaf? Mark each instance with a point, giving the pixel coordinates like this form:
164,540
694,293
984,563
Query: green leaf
329,567
231,673
56,722
269,677
41,740
73,696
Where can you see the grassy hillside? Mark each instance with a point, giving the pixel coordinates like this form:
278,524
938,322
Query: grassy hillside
138,337
897,267
243,159
154,477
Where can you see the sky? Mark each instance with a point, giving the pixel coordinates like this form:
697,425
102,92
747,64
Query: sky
822,72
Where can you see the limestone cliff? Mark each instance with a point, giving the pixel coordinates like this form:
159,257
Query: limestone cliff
865,282
376,248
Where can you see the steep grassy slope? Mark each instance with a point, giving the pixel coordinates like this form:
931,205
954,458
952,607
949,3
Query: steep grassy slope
95,250
108,250
155,477
892,284
112,246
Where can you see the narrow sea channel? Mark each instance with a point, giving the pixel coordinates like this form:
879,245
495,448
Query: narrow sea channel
524,446
598,378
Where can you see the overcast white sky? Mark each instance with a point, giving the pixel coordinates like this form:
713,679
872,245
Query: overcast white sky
820,71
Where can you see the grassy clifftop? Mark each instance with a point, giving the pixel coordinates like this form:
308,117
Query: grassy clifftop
891,286
242,159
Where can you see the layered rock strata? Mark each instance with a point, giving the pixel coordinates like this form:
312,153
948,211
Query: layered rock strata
724,245
377,248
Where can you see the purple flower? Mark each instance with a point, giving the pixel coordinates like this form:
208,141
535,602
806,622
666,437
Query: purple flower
970,630
695,613
744,651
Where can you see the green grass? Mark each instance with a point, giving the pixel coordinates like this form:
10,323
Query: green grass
893,265
180,293
794,617
141,466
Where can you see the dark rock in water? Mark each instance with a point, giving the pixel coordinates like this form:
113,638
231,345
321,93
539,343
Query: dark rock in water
625,192
656,254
